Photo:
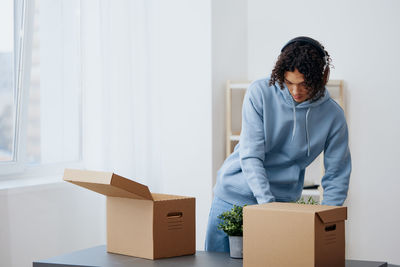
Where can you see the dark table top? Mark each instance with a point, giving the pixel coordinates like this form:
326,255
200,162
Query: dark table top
98,256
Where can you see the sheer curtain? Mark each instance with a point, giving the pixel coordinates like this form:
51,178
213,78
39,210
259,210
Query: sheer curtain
147,95
120,95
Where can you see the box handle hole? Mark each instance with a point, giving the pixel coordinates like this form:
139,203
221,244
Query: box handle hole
172,215
330,228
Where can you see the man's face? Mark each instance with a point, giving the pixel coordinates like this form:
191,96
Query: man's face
294,81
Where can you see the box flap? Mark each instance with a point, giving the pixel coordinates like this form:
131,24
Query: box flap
333,215
326,213
107,183
292,207
164,197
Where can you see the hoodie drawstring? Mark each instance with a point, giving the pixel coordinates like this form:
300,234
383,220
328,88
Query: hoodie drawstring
294,121
307,134
295,124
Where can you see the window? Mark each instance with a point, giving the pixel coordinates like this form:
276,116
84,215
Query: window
40,88
7,80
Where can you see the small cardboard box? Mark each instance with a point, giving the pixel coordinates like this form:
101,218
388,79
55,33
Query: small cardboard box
290,234
140,223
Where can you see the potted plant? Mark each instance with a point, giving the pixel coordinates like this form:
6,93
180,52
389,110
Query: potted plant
309,201
232,225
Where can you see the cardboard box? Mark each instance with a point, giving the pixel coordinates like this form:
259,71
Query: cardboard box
140,223
289,234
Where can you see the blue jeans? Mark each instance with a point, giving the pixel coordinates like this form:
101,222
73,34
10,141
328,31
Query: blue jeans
217,240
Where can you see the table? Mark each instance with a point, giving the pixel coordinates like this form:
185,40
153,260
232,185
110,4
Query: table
98,256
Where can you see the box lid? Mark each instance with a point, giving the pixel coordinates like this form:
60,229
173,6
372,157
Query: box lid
327,214
333,215
107,183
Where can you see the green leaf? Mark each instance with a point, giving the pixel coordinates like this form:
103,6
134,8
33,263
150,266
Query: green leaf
310,201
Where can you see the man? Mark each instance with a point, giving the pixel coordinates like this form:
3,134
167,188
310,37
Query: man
287,121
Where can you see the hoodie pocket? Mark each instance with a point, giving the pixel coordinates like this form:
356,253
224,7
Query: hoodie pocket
283,174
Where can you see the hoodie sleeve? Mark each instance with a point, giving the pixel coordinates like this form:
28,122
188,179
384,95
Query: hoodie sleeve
337,161
252,146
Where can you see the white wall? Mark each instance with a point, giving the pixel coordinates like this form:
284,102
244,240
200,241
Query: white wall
43,221
363,39
229,62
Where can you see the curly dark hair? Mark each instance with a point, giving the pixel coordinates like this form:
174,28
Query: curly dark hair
308,61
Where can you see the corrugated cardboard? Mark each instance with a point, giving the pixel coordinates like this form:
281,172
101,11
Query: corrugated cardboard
289,234
140,223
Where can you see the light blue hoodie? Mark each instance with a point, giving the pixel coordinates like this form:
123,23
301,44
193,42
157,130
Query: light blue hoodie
278,141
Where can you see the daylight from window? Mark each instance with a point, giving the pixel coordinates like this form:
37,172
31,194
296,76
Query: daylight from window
7,105
48,124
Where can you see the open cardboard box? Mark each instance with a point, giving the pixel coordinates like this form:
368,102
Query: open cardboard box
140,223
290,234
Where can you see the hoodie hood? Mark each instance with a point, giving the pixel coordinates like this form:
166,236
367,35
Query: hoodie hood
308,104
288,99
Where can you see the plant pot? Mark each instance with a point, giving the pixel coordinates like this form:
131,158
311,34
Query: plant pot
236,247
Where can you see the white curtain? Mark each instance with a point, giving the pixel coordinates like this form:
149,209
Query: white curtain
120,96
147,95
